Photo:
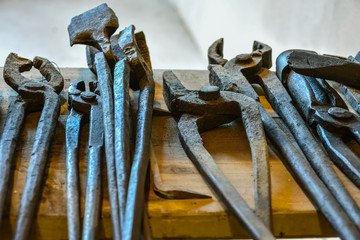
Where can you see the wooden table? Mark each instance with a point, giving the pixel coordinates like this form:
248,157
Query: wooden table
293,214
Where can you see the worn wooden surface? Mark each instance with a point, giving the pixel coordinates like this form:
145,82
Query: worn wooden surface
293,214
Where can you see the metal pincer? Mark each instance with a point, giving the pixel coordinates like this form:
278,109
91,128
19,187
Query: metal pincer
84,106
33,96
325,110
212,108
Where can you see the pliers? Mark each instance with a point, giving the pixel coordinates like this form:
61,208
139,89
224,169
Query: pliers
323,107
32,96
84,106
205,109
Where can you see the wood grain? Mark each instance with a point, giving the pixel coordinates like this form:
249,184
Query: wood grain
293,214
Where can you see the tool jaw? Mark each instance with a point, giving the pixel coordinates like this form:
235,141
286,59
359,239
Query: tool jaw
336,119
94,27
35,93
247,64
266,53
141,73
215,53
14,66
172,90
207,100
82,101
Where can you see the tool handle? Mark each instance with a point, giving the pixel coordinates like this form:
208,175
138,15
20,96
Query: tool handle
122,131
73,124
93,194
106,90
13,124
35,173
135,197
306,177
191,141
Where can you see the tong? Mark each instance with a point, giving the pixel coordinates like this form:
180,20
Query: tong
324,109
84,106
33,96
205,109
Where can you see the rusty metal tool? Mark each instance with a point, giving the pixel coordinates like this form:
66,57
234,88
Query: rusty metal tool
33,96
94,28
325,110
292,157
328,67
230,77
84,106
282,103
141,77
216,107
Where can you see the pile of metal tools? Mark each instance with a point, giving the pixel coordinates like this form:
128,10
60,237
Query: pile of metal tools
120,62
317,127
233,94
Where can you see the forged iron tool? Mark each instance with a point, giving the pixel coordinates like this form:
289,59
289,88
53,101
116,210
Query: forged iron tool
214,108
328,67
33,96
281,101
222,76
141,77
95,28
325,110
84,106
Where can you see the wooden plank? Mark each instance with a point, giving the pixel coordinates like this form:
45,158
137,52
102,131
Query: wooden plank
293,214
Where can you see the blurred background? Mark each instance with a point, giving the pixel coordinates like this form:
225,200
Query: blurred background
179,32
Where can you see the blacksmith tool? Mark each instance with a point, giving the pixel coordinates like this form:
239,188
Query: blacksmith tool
228,76
232,77
94,28
328,67
324,110
33,96
141,77
281,101
84,106
214,107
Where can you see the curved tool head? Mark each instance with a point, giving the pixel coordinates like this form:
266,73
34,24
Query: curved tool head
139,67
247,64
207,100
266,53
15,65
94,28
80,100
282,66
215,53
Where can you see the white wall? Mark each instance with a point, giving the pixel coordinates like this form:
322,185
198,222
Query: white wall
39,28
326,26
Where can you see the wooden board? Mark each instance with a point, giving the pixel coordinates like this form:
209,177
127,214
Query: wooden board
293,214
